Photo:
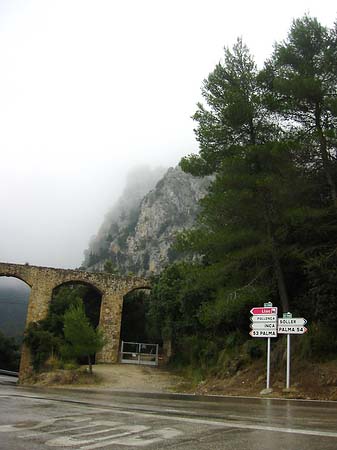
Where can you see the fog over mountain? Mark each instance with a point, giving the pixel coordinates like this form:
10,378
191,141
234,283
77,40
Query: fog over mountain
139,182
138,234
91,89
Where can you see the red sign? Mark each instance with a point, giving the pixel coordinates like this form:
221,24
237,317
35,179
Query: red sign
261,310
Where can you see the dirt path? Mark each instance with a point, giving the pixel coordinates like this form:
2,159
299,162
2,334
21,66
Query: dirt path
309,382
128,377
312,381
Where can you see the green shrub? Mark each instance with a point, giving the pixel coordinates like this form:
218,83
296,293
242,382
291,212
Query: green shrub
42,343
234,340
254,348
52,363
70,365
319,343
197,352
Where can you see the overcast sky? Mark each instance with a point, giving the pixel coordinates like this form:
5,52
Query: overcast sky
90,89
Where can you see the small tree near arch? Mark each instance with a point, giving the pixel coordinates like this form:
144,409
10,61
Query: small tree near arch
82,340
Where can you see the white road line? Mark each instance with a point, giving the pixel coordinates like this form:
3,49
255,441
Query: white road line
21,426
93,424
241,425
106,430
69,441
139,441
41,433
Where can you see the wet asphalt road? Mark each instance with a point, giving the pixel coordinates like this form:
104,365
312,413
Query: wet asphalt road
34,419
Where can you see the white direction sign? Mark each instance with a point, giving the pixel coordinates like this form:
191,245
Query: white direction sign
264,321
263,318
263,326
263,333
295,322
290,329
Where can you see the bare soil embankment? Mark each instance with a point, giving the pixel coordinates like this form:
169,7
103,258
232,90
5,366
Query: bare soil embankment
111,377
308,381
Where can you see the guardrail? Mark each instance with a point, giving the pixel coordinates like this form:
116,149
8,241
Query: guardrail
9,373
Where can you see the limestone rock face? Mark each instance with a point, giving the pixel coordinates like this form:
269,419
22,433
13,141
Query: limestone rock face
139,239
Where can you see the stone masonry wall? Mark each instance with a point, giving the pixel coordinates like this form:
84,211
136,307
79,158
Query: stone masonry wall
43,280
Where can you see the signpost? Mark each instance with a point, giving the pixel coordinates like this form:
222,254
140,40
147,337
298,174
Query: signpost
292,321
264,311
264,325
263,318
263,333
290,325
291,330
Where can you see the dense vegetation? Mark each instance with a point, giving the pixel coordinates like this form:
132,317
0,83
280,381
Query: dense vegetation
68,333
9,353
267,230
134,327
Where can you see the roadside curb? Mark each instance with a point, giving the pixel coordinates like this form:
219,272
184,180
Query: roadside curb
168,395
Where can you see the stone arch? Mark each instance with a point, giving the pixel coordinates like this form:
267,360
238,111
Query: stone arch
79,282
43,280
133,318
111,315
92,298
15,275
146,287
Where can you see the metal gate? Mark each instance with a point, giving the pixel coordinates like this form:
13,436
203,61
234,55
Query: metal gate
139,353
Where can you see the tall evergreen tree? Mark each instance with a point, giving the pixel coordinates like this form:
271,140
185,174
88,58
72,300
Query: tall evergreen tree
235,115
301,77
238,137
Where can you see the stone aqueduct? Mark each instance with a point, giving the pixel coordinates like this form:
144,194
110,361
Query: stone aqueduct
43,280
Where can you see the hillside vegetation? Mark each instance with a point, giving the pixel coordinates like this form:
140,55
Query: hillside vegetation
267,229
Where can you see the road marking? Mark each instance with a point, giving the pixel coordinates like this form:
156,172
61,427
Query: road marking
139,440
97,442
119,433
83,427
135,440
24,426
241,425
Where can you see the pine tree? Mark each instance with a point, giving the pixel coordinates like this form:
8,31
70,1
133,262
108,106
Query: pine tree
235,115
81,338
240,141
301,78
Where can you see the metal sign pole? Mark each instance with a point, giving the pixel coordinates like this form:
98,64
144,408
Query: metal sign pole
288,317
288,362
268,363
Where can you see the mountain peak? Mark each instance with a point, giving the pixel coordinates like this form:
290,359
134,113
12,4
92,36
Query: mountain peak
137,238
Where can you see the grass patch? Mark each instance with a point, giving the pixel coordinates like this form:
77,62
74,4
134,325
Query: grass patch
60,377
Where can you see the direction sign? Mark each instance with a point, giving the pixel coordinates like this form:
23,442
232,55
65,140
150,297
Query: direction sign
299,322
263,326
263,333
263,318
289,329
262,310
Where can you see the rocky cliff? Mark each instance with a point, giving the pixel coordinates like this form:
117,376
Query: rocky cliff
138,232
